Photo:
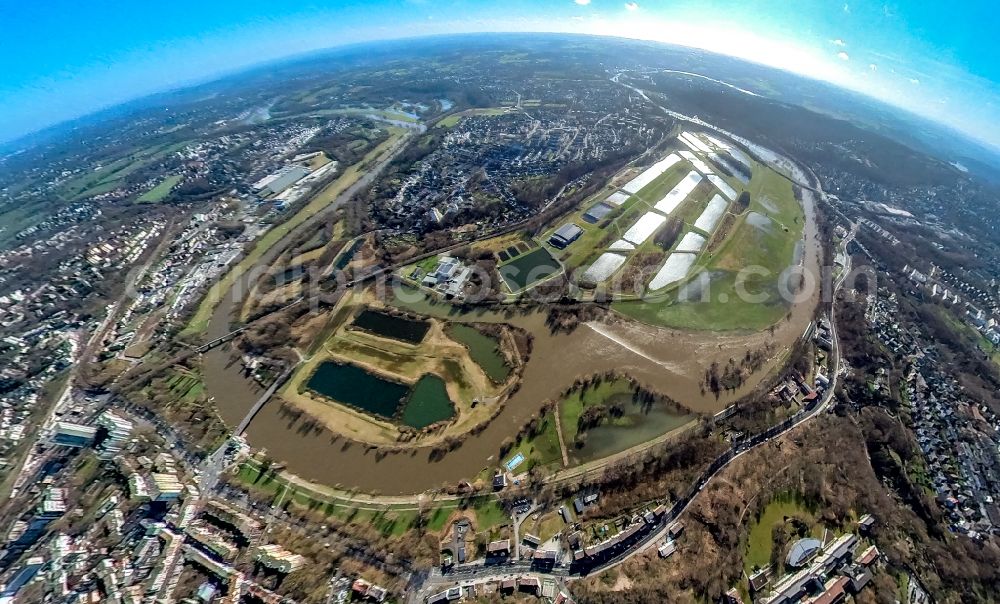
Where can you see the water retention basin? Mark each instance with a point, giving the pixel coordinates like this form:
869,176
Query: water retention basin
391,326
425,403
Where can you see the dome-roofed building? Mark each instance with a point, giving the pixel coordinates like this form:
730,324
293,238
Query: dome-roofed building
802,550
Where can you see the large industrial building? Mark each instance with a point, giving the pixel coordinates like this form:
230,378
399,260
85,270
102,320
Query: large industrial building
68,434
565,235
282,179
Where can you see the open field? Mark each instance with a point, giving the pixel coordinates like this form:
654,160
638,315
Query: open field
765,237
185,387
110,176
623,422
388,516
199,321
541,450
628,421
320,160
384,114
760,542
571,407
309,256
502,242
453,119
390,520
161,190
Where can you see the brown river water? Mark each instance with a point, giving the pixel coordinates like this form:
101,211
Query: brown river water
668,360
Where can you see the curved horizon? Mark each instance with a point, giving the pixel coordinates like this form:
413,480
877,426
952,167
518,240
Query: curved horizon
949,73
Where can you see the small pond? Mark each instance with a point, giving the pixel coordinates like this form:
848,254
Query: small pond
347,255
483,349
427,402
391,326
639,424
358,388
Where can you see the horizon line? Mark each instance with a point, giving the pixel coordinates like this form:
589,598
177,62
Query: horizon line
8,145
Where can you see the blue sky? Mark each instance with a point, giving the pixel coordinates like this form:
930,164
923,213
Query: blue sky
62,59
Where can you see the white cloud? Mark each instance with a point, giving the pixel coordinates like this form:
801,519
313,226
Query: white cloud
873,67
843,56
847,8
838,42
582,2
632,6
914,81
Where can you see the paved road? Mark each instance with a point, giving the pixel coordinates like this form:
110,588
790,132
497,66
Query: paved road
517,520
242,427
480,571
435,582
82,353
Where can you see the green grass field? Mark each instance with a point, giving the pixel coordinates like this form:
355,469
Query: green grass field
770,248
489,513
542,450
572,406
186,387
760,540
452,120
110,176
390,520
161,190
386,114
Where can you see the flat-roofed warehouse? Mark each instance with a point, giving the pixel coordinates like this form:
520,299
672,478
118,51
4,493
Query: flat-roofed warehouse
281,180
565,235
596,213
73,435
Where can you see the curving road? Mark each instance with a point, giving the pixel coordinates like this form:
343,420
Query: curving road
479,571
